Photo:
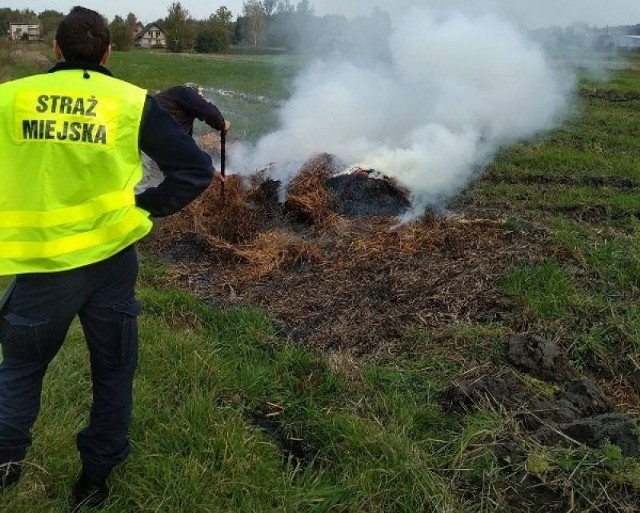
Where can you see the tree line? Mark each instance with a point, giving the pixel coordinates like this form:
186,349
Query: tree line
274,24
277,25
121,29
283,26
271,24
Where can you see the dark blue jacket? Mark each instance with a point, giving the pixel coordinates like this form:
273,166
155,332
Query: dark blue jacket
185,105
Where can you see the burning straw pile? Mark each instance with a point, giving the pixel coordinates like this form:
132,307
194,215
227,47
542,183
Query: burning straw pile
243,222
336,282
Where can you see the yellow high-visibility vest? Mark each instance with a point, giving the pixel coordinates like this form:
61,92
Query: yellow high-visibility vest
69,161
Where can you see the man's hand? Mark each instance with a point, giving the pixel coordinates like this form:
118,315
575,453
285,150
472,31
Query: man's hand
217,175
227,126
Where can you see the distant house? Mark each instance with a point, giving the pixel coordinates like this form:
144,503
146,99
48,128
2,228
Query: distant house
24,31
151,36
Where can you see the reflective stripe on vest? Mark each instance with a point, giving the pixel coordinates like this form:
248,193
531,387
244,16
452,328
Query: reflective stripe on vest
54,217
69,244
69,164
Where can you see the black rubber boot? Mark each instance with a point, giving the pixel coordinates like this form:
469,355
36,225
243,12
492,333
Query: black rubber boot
89,493
9,475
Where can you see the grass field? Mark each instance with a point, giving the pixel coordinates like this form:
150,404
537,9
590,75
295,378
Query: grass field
231,418
246,88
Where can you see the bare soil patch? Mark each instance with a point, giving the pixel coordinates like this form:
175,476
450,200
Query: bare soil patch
611,95
33,56
613,182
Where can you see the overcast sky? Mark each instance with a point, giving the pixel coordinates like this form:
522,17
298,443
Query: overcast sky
531,13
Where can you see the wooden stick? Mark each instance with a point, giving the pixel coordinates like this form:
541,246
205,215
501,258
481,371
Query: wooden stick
223,158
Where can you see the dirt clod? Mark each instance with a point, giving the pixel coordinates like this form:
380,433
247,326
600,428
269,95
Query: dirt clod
537,356
579,413
617,428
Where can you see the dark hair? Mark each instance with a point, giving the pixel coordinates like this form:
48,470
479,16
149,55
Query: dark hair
83,35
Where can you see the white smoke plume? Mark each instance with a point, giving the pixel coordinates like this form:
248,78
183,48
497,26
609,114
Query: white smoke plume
454,90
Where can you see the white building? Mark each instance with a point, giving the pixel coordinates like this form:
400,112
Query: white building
152,36
24,31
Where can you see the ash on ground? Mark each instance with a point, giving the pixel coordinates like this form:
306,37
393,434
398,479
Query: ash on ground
361,193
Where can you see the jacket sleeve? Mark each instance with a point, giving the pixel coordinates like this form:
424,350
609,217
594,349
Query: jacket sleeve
188,170
189,100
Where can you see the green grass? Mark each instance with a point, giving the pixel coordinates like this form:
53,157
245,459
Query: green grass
541,197
264,76
623,81
202,374
545,288
229,418
247,89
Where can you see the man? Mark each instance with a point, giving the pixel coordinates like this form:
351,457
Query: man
70,143
185,103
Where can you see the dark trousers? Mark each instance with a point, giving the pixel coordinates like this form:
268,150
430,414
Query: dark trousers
33,325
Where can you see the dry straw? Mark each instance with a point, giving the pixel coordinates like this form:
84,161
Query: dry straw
345,284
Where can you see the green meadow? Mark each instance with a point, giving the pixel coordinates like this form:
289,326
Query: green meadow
371,435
